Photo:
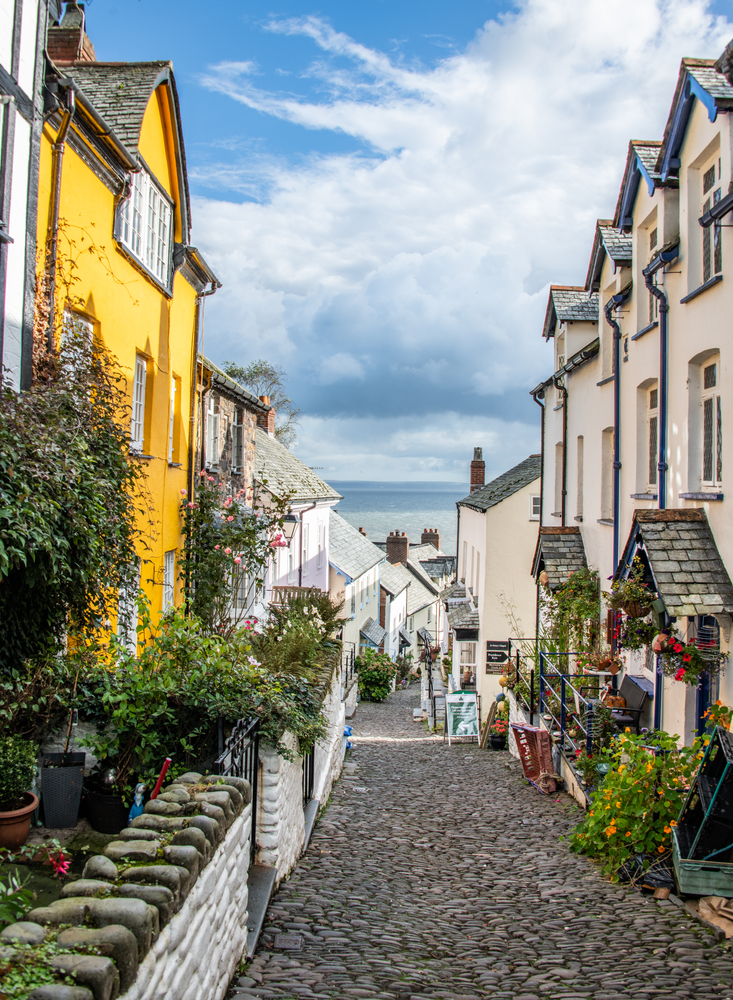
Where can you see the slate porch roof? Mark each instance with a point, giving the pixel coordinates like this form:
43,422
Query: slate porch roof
569,303
559,553
287,474
645,151
688,572
504,485
373,631
349,550
456,592
405,637
611,241
464,615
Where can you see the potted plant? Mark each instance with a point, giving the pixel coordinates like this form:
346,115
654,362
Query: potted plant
632,595
498,734
17,770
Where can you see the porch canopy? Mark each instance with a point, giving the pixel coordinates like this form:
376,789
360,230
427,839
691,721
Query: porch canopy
373,632
464,621
559,553
679,550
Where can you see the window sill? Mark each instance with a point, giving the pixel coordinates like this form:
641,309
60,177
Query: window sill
701,496
578,517
644,496
556,513
652,326
604,381
126,252
175,465
139,454
605,520
715,280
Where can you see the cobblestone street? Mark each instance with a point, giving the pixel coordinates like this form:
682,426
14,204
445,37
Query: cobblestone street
438,872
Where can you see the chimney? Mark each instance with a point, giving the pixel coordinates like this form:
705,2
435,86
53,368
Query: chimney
398,547
430,536
69,42
267,420
362,532
478,470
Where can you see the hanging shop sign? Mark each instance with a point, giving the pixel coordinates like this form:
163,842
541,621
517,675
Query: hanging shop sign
461,715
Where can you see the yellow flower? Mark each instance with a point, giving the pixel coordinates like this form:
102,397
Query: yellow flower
627,730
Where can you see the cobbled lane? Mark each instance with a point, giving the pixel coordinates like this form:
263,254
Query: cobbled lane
437,872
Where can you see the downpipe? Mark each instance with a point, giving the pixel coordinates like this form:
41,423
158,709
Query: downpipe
542,508
608,310
662,466
59,147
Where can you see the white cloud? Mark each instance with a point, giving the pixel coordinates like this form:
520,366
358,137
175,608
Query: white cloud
425,258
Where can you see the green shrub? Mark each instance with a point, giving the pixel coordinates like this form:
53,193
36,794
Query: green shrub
17,770
376,673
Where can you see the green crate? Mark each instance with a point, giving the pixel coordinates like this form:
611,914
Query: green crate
701,878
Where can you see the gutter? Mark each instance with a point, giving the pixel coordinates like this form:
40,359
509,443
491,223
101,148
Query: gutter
658,264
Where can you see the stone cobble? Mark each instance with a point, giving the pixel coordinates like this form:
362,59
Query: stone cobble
438,872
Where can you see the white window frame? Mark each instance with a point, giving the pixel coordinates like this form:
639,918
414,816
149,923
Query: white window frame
212,432
712,251
652,437
238,441
172,420
127,617
468,654
306,546
711,399
144,227
321,541
534,502
137,421
291,566
169,579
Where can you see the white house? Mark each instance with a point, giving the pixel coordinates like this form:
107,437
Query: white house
395,582
354,578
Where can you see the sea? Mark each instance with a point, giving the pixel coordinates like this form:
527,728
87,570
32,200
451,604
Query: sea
410,507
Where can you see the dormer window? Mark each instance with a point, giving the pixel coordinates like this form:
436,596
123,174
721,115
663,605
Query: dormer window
144,225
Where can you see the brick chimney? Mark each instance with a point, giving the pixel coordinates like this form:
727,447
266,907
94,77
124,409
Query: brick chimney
478,470
430,536
267,420
362,532
69,42
398,547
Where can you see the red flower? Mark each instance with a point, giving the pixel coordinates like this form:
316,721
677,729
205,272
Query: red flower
678,648
680,674
686,658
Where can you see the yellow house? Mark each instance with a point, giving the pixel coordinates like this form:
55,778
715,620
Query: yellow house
114,216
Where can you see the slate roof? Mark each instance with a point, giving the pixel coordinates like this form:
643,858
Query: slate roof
464,616
648,153
569,303
559,553
504,486
373,631
404,636
646,150
348,549
287,474
456,592
418,597
437,568
689,574
394,579
224,382
710,78
611,241
421,576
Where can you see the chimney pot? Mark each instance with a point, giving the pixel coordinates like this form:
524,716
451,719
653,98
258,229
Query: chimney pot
267,420
478,470
398,547
430,537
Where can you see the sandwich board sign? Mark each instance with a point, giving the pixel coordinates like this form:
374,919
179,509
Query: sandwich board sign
461,709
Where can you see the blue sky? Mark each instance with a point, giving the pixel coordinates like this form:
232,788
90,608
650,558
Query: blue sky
386,190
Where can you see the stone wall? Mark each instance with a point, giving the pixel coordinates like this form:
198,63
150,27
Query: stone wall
329,752
280,820
164,910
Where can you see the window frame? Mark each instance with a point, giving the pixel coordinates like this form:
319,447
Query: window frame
238,441
138,216
213,416
712,395
712,236
534,500
169,580
652,437
137,415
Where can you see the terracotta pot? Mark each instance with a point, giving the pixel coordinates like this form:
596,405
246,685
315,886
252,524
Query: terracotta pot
14,825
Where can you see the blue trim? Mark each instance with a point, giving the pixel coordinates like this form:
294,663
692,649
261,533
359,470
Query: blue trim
340,572
706,99
646,175
630,192
702,496
677,130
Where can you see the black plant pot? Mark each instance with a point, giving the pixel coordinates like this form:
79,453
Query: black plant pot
61,785
497,742
106,812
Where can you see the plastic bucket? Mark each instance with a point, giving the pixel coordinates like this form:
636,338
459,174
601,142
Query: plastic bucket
106,813
61,788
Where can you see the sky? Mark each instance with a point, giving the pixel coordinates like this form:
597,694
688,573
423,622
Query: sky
387,188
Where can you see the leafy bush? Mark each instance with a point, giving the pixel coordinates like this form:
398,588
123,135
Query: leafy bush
297,635
376,672
17,770
15,899
572,613
634,809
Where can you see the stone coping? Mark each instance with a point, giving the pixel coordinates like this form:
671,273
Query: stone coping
105,923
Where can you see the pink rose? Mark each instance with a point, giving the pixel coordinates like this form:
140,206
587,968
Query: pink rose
184,492
230,518
237,560
228,551
203,472
217,546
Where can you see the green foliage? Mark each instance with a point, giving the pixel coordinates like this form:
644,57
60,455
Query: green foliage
376,672
572,613
34,696
229,540
631,600
15,899
635,808
297,635
67,507
167,702
17,770
29,968
264,379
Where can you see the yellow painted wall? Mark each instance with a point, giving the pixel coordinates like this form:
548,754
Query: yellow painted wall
131,316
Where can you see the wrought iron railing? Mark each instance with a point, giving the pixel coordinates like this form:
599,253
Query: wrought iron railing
567,702
348,664
241,759
309,775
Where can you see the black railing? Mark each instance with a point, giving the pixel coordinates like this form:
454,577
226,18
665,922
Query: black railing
241,759
309,775
348,664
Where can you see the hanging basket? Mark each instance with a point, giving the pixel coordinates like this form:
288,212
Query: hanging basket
635,609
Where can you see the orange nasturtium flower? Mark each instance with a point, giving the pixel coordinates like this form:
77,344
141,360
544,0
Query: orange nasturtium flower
668,829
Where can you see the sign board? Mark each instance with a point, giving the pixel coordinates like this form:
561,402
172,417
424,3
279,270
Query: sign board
498,645
492,657
461,715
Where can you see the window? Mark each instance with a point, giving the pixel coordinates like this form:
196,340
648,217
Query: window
137,428
712,427
712,247
478,575
319,558
212,432
579,473
366,588
353,599
238,441
145,225
607,474
465,560
169,579
653,436
411,624
291,568
558,477
306,546
374,583
172,421
534,508
468,653
239,586
127,612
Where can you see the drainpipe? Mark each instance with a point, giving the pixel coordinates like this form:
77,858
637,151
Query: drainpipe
658,265
563,501
542,495
608,309
53,224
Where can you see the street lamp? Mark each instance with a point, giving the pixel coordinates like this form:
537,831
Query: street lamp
290,523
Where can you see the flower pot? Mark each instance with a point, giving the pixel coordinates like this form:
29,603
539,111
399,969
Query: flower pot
106,812
662,643
61,787
15,824
635,609
497,742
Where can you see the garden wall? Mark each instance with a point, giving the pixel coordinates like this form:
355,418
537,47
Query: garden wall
164,909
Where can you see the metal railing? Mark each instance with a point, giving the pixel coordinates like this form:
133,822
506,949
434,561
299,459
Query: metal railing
568,701
348,664
241,759
309,775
